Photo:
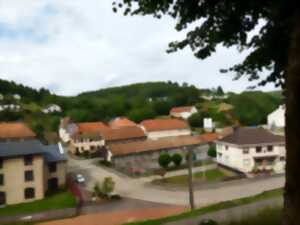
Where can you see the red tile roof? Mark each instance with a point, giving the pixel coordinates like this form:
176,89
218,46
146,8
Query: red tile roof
154,145
181,109
91,127
15,130
121,122
123,133
209,137
164,124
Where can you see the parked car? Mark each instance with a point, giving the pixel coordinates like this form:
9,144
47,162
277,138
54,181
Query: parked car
80,179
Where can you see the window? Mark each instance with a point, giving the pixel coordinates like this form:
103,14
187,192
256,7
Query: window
282,158
28,175
2,198
29,193
220,154
28,159
1,179
246,151
258,149
52,167
1,163
270,148
226,147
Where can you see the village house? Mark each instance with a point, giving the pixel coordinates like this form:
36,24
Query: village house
121,122
183,112
52,108
251,149
27,167
10,107
91,137
162,128
143,155
124,135
66,129
86,137
276,119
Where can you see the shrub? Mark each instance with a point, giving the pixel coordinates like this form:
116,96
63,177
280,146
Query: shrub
108,186
177,159
164,160
212,152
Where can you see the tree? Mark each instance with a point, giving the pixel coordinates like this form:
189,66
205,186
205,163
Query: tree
177,159
273,46
164,160
212,152
220,91
196,120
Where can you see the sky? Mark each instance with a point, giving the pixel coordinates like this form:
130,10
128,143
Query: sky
72,46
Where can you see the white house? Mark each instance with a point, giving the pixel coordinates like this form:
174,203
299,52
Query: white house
183,112
53,108
10,107
277,118
66,129
208,124
17,96
162,128
251,149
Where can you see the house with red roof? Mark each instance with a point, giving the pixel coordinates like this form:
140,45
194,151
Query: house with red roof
183,112
162,128
120,122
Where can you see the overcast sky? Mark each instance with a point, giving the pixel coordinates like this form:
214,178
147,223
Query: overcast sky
71,46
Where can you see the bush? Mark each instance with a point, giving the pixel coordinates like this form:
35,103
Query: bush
104,190
164,160
212,152
196,120
177,159
108,186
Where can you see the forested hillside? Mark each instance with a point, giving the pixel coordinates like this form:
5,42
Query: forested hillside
137,101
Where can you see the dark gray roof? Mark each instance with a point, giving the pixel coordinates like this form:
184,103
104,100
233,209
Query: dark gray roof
252,136
53,154
31,147
19,148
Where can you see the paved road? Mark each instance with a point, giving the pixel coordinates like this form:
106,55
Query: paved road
232,214
139,188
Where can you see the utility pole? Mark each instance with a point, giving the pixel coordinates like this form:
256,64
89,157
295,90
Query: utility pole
191,189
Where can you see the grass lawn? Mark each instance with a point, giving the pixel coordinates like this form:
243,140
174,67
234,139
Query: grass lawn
208,176
215,207
58,200
269,216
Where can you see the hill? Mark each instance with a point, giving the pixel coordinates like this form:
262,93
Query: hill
136,101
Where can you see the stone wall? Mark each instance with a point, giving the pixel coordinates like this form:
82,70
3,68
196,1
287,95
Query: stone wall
149,160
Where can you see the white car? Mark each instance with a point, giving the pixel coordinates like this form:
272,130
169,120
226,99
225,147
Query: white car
80,179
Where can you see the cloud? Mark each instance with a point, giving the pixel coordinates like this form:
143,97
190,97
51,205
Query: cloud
75,46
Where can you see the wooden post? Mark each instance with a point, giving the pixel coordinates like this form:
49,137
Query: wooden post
191,191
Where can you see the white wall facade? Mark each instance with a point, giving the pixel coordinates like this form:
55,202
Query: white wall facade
64,135
242,158
154,135
85,145
277,118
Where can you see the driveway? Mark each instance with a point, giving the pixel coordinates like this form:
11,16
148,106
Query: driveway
139,188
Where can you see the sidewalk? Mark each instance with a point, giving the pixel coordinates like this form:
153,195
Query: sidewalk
180,172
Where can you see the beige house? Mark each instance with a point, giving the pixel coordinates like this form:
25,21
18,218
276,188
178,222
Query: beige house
162,128
251,150
183,112
27,167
